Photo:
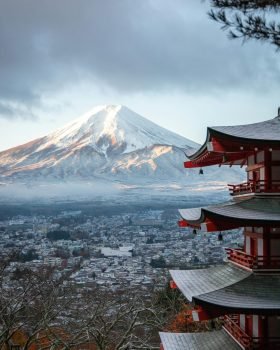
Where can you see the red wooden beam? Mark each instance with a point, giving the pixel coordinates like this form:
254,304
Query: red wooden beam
200,314
173,285
215,146
183,223
211,225
212,158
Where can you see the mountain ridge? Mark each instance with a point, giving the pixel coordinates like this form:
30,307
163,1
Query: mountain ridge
105,135
110,144
117,124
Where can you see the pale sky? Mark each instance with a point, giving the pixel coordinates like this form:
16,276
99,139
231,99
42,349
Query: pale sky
163,59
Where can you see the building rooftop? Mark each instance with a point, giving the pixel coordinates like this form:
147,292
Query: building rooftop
216,340
193,283
232,144
268,130
231,288
254,210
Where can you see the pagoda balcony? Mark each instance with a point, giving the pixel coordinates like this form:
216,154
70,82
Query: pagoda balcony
251,187
260,262
232,327
247,342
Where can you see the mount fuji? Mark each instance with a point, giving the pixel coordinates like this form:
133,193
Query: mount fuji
112,144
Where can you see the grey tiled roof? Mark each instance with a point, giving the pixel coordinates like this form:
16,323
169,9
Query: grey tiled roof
216,340
197,282
257,209
263,132
268,130
257,292
231,287
191,214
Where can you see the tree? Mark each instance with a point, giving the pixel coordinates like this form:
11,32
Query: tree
30,303
158,263
57,235
41,310
248,19
111,322
29,256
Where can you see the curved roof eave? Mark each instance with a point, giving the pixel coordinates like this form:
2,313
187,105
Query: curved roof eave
262,132
192,215
265,131
194,283
202,149
256,292
215,340
258,210
230,287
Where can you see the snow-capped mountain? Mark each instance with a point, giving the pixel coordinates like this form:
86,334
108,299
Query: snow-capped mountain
109,143
113,130
106,140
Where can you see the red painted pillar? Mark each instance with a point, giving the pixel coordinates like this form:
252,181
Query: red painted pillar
267,165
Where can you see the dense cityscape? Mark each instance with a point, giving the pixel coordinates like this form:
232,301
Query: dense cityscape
113,252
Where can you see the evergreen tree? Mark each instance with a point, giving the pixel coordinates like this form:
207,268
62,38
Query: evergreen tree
249,19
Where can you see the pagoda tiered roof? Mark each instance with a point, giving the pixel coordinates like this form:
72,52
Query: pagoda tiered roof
197,282
268,130
230,145
249,283
230,289
251,212
216,340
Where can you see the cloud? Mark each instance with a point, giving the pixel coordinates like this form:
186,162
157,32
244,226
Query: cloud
148,45
15,111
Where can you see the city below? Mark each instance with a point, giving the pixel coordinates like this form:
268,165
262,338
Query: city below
112,252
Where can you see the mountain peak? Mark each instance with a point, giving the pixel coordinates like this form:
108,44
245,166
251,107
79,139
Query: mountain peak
104,109
108,139
116,126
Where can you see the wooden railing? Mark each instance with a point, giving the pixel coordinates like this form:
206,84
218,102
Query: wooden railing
253,262
249,343
260,186
239,257
233,328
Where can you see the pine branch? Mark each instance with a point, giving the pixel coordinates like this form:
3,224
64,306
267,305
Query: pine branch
248,26
246,5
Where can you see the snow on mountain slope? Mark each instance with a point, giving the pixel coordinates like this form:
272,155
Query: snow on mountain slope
109,143
109,128
93,142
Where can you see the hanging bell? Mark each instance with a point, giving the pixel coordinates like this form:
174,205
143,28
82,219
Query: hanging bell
220,237
200,171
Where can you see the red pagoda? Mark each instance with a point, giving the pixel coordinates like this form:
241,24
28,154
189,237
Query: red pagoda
245,291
